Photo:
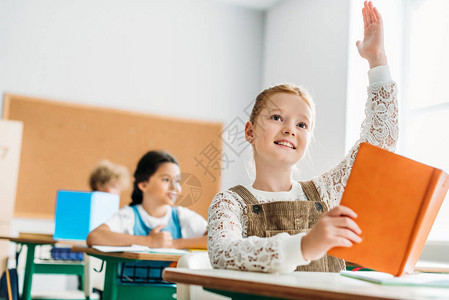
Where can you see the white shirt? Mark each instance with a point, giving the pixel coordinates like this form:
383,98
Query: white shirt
192,224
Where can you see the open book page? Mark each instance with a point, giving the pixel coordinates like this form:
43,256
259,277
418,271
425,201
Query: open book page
418,279
168,251
139,248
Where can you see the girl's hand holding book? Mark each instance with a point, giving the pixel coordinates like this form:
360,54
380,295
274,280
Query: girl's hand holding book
336,228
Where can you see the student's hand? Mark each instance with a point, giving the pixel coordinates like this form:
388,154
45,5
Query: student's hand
160,239
372,46
333,229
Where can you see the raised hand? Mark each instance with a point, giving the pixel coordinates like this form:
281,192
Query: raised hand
333,229
372,46
160,239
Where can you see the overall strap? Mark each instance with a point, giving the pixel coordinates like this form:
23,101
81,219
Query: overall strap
310,190
140,228
246,195
174,224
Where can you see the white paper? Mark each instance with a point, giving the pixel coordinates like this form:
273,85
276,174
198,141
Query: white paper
133,248
139,248
168,250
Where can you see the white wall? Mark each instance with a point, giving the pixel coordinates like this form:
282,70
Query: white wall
306,43
194,59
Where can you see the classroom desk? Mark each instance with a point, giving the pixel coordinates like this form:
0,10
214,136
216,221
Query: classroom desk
112,290
297,285
31,240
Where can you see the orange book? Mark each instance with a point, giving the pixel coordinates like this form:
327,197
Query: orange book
397,200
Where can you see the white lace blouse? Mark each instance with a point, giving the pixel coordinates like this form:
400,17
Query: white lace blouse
228,244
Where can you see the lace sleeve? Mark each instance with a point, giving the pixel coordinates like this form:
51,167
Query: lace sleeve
228,245
379,128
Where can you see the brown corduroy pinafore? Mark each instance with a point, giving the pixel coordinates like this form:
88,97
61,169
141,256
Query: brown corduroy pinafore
269,219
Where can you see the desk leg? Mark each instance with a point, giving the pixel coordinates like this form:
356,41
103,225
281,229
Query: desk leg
87,278
29,271
110,281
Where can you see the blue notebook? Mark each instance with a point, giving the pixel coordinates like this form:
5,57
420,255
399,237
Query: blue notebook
77,213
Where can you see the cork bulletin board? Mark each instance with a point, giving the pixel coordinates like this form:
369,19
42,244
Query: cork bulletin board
63,141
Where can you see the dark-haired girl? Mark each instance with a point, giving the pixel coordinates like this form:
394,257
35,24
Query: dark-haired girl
151,219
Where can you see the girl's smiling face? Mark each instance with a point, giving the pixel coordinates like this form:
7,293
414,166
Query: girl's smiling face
164,185
281,132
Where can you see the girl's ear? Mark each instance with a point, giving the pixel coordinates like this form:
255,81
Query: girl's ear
142,186
249,134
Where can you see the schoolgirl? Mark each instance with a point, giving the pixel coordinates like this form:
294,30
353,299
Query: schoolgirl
151,219
277,224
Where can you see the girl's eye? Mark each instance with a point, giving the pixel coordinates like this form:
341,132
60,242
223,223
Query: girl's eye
165,179
302,125
276,117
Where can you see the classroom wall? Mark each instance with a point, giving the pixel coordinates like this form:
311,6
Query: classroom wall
193,59
306,43
196,59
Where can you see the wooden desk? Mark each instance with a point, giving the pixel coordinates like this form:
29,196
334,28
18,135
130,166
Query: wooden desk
127,255
112,290
298,285
31,240
37,238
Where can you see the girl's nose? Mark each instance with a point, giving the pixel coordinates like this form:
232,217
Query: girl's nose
175,186
288,130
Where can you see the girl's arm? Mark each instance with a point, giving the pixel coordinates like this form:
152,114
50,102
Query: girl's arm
191,243
380,127
103,235
230,248
193,228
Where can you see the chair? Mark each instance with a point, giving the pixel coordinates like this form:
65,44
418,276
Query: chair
195,260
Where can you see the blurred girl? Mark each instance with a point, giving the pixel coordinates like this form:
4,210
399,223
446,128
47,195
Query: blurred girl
151,219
